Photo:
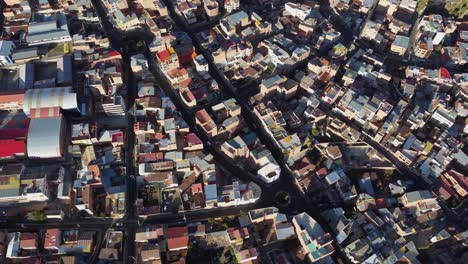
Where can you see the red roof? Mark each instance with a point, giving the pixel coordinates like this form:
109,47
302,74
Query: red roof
193,139
188,96
444,73
460,178
51,237
164,55
11,96
202,116
185,83
44,112
114,53
176,243
180,231
148,157
197,188
199,93
10,147
322,172
116,136
11,133
158,136
28,240
380,203
446,194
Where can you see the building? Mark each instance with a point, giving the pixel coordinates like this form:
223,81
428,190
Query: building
370,30
167,59
46,32
211,9
231,5
443,117
269,173
201,65
298,10
314,241
6,51
52,239
400,45
11,100
46,137
235,147
413,198
269,226
203,119
177,242
62,97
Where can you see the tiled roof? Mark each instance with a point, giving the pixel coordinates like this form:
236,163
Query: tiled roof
175,243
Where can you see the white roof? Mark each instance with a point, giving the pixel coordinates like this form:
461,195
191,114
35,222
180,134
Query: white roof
44,137
62,97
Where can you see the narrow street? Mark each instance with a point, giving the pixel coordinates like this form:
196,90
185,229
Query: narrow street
300,202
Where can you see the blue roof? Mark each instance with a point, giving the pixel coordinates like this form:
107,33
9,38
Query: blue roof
235,18
211,192
271,81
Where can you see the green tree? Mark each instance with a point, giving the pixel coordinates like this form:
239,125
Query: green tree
211,220
458,8
38,216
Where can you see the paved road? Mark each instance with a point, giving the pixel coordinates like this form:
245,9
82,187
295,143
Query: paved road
299,201
106,222
117,41
388,154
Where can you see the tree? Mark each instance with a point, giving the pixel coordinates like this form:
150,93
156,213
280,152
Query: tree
38,216
211,220
388,174
228,256
458,8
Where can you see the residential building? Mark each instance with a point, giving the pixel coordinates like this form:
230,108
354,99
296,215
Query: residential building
314,241
400,45
6,51
298,10
231,5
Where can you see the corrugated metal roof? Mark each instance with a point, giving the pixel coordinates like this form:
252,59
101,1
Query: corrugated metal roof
62,97
47,35
41,27
25,53
44,137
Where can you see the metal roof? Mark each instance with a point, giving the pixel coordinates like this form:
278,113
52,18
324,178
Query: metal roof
47,35
62,97
26,53
44,137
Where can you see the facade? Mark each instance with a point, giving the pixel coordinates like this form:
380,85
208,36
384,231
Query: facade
400,45
167,59
314,241
269,173
211,9
6,51
231,5
298,10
